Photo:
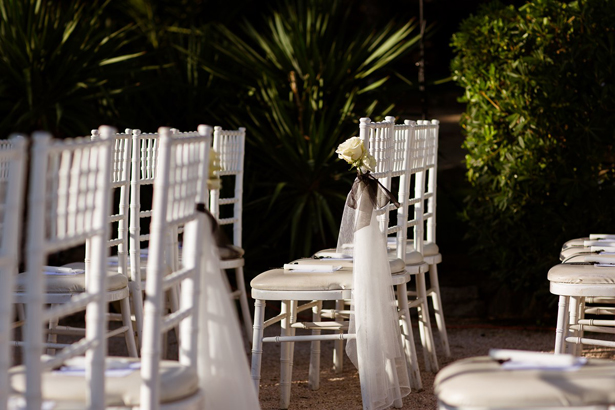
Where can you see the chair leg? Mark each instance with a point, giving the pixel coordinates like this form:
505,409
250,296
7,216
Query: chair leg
573,309
52,337
137,308
293,331
408,339
257,342
338,345
437,308
243,301
429,350
129,335
314,372
173,295
21,312
562,325
581,315
285,357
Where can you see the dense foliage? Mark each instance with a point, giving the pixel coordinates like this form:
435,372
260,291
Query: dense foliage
297,74
540,127
60,64
305,75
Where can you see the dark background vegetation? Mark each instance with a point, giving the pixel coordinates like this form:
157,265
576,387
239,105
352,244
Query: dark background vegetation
299,87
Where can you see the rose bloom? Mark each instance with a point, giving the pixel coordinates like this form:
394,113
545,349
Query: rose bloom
368,163
351,150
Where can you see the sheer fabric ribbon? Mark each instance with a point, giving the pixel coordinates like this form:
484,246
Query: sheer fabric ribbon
224,374
376,351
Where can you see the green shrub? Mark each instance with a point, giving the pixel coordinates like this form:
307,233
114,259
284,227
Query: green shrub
539,85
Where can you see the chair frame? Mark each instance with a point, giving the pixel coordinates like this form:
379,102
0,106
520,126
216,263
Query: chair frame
412,212
120,182
177,191
230,146
93,156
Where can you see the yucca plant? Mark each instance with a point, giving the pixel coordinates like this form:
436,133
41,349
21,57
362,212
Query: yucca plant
304,76
58,60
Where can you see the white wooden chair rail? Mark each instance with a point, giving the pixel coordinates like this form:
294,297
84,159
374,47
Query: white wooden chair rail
12,182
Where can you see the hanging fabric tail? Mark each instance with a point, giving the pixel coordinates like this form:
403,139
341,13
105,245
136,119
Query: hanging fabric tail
376,351
224,373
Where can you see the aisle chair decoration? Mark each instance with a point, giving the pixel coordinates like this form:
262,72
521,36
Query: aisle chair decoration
383,369
375,351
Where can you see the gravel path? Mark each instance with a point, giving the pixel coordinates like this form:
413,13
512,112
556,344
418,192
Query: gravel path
342,391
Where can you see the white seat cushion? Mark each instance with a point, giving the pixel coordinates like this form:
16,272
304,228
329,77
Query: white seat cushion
415,258
397,265
412,257
229,252
574,243
283,280
582,274
481,382
177,382
572,251
429,248
73,283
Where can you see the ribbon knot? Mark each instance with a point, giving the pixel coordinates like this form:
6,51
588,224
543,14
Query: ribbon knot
378,196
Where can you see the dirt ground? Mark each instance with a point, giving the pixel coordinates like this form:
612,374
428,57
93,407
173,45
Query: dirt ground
342,391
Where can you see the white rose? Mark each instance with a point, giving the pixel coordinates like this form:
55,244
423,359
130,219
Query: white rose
351,150
368,163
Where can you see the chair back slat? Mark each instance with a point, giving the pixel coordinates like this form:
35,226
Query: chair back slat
230,148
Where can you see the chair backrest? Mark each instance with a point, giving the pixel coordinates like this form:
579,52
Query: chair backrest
412,151
378,140
402,179
144,156
119,194
68,204
12,173
229,146
431,130
180,191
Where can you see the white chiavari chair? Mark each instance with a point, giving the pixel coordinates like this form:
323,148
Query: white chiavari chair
63,283
226,204
179,187
149,382
526,380
12,184
68,204
431,251
296,283
414,144
145,147
118,241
